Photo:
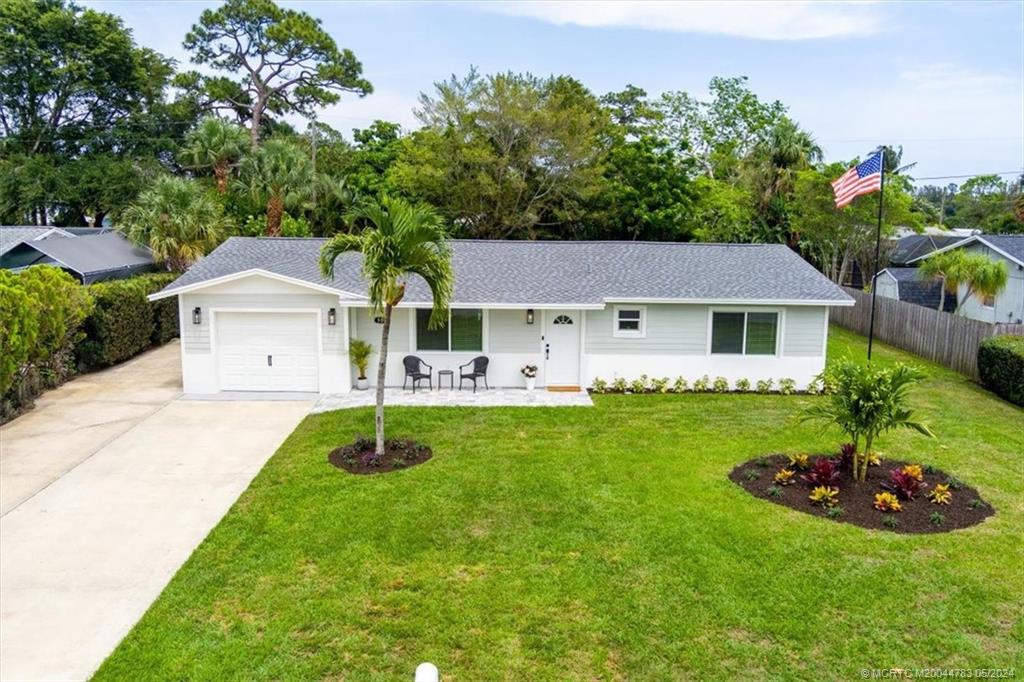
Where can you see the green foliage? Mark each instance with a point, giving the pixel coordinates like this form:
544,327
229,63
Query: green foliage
359,353
215,145
985,202
123,322
981,276
680,385
662,385
639,385
289,63
787,386
278,176
508,155
256,226
40,320
599,385
84,114
868,401
764,385
743,385
1001,366
178,219
701,385
720,385
19,328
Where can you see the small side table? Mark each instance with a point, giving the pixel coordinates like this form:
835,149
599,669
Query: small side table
441,374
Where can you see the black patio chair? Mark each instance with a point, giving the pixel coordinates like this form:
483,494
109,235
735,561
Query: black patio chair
414,370
478,370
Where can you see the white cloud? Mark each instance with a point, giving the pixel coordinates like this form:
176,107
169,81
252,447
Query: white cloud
945,76
742,19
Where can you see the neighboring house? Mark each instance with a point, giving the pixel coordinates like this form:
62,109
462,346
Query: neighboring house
902,281
256,314
1008,305
89,254
907,284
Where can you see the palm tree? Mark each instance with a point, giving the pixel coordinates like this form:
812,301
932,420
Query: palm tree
278,175
398,239
215,144
982,277
177,219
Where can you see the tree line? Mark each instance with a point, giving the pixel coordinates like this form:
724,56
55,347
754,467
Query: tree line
97,129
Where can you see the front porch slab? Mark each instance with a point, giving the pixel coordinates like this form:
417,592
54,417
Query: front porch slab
495,397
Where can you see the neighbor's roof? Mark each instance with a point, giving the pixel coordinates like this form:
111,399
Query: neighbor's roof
916,245
1009,245
914,288
12,236
94,254
552,273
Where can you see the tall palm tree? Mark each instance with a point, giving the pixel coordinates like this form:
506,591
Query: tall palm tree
215,144
398,239
177,219
278,175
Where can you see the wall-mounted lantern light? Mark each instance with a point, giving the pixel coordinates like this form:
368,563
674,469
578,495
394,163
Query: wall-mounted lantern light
529,316
379,319
332,317
197,315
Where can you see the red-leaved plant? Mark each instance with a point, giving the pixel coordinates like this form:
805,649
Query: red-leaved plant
825,473
904,484
846,453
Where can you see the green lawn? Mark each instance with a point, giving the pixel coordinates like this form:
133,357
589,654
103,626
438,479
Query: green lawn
602,543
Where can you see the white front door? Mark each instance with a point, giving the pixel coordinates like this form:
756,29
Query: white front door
267,351
562,347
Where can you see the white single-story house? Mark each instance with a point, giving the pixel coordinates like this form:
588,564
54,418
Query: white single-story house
257,315
1008,305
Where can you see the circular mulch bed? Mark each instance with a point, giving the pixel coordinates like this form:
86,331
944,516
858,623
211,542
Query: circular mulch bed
966,508
359,457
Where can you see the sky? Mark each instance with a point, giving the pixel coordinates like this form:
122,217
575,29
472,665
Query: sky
943,79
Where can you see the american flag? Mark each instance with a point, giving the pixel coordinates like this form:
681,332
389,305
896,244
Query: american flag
864,178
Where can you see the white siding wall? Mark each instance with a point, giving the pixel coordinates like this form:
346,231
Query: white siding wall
887,287
509,343
199,371
1009,305
677,344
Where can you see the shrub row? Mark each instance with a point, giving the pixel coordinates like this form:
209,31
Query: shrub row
1001,366
704,384
41,315
124,323
51,326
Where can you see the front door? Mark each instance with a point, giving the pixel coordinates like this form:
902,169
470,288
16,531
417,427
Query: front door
562,347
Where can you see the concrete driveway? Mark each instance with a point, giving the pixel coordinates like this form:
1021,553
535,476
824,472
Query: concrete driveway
107,487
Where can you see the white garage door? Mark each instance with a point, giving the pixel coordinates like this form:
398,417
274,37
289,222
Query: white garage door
266,351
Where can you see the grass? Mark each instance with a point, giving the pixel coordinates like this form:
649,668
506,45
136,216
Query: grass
600,543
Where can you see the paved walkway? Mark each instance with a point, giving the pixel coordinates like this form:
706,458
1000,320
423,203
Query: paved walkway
495,397
114,484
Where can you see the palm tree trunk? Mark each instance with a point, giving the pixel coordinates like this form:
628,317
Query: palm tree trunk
275,209
220,172
382,367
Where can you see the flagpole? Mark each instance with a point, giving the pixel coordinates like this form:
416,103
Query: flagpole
878,252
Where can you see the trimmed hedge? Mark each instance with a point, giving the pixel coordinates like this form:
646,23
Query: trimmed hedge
1001,366
124,323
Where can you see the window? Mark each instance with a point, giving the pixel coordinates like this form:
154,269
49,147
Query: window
464,331
630,321
989,301
752,333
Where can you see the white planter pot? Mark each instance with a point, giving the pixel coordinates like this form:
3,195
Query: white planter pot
531,382
362,384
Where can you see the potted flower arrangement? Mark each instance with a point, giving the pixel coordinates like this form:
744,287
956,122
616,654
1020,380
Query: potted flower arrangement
530,372
359,353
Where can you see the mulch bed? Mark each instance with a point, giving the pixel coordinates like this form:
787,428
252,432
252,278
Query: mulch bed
857,499
359,457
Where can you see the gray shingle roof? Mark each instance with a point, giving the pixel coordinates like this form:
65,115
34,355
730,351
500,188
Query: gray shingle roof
12,236
555,273
914,288
1012,244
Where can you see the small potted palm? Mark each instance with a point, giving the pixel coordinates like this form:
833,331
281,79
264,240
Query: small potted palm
530,373
359,353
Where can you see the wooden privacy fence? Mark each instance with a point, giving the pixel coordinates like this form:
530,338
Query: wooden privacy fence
949,340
